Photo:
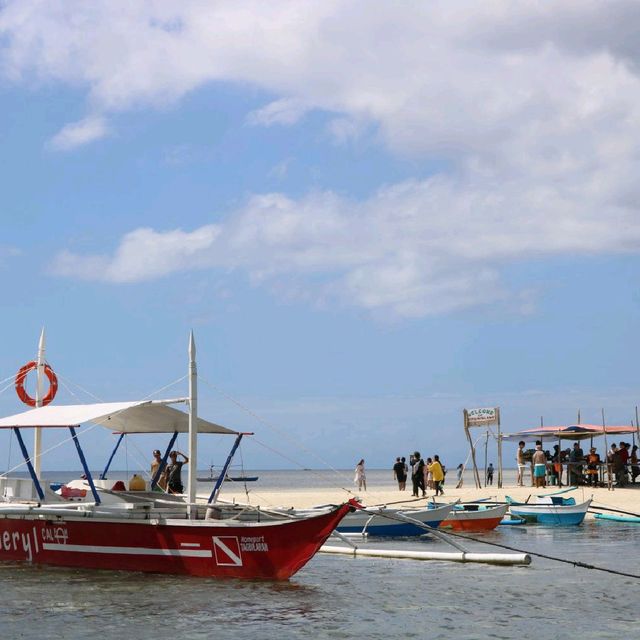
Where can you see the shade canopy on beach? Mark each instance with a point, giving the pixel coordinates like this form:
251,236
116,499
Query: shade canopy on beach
570,432
122,417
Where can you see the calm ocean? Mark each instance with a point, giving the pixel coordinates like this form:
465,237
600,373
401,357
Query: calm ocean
337,597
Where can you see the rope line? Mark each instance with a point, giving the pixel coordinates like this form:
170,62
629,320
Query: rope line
575,563
294,441
282,433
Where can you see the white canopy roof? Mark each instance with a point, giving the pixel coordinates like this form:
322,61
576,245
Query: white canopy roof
124,417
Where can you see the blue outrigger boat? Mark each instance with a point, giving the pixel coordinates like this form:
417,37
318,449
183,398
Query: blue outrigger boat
550,510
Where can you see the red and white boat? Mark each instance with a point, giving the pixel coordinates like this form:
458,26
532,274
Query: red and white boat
97,527
474,517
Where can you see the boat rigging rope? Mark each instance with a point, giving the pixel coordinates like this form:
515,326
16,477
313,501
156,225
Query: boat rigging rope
295,442
575,563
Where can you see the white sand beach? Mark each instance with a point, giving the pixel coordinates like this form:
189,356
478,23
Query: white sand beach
625,499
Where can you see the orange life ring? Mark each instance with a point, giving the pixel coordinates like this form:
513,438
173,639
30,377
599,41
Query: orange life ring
20,378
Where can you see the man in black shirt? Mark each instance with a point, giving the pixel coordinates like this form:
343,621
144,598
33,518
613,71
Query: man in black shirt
417,475
399,474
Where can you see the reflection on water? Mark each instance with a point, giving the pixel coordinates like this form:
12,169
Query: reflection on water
341,597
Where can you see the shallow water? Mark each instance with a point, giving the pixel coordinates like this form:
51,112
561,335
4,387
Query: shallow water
338,597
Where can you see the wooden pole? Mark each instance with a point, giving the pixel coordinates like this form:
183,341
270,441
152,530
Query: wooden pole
486,445
560,462
476,475
499,449
606,448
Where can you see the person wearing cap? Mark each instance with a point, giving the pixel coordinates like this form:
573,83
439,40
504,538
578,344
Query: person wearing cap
593,465
173,472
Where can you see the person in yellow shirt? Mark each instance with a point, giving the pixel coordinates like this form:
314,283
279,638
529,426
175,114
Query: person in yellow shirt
437,473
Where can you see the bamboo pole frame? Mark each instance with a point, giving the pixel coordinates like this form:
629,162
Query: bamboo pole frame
476,475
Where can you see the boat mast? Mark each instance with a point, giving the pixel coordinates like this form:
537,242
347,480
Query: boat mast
37,432
193,427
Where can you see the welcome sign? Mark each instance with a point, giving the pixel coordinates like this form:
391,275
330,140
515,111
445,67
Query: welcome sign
482,416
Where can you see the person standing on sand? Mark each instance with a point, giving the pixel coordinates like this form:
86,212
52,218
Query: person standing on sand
360,478
520,463
490,473
437,473
429,477
459,474
399,474
539,461
417,474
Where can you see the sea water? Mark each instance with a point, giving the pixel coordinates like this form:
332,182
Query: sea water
341,597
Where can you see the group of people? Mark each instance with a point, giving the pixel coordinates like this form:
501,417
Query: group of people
425,475
581,469
429,474
170,478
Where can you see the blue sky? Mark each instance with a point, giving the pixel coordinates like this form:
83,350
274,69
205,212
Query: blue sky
370,221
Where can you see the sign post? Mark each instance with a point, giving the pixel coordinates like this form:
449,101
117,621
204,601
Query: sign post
483,418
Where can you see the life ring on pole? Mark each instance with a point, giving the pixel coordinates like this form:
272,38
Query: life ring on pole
20,378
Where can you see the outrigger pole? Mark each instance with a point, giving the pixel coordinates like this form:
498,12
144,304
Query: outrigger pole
193,427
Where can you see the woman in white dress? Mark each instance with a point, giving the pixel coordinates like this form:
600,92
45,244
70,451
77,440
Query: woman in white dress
360,478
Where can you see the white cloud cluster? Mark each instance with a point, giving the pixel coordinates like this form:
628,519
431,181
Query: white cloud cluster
413,249
534,107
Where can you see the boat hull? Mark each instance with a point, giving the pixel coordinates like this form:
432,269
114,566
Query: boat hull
269,550
552,514
478,520
383,522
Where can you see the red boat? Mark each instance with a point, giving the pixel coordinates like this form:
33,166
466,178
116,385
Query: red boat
94,525
474,517
100,539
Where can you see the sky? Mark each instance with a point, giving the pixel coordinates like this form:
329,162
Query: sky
372,215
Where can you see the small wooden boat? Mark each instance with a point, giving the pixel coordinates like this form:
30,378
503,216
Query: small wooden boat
550,510
474,517
615,518
214,476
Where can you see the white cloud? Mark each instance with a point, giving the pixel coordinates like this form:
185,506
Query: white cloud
412,249
143,254
79,133
533,107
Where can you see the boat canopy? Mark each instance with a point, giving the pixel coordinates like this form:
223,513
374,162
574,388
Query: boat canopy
571,432
146,416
